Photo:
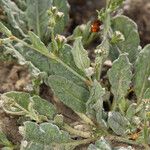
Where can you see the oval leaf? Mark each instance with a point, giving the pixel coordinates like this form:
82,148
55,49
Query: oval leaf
38,44
45,136
80,55
130,45
142,72
69,93
120,76
117,123
19,103
37,16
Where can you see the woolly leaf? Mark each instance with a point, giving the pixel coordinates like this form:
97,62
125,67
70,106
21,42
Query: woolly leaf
117,123
62,6
15,17
37,16
38,44
142,72
21,103
120,76
130,45
101,144
80,55
45,136
94,105
69,93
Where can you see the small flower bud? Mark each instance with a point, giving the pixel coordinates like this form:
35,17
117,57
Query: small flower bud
61,40
60,14
54,9
89,71
117,37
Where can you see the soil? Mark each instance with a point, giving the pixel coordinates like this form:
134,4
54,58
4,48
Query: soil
16,77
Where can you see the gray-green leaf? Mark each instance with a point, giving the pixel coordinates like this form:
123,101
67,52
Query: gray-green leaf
142,72
69,93
5,30
4,141
15,17
50,66
62,6
45,136
21,103
147,94
131,111
38,44
37,16
80,55
94,105
130,45
120,76
117,123
101,144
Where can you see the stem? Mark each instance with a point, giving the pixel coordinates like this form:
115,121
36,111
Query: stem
79,142
122,140
104,40
98,70
114,105
85,118
77,132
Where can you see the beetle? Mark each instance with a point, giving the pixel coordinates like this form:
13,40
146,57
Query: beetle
95,26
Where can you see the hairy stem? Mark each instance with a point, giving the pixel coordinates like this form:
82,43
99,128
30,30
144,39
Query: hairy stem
77,132
123,140
85,118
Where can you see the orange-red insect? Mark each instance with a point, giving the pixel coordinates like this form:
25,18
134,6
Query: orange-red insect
95,26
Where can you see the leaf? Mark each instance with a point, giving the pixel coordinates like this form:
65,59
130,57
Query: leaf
38,44
4,141
9,50
65,54
130,45
45,136
43,107
37,16
5,30
21,103
15,18
69,93
131,111
123,148
62,6
94,105
142,72
21,4
50,66
120,76
117,123
101,144
80,55
147,94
